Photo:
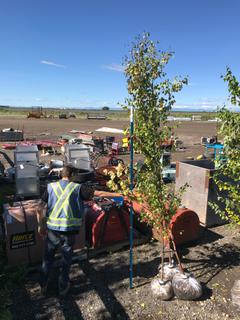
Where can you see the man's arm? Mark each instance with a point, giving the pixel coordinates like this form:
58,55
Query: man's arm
41,214
41,218
86,192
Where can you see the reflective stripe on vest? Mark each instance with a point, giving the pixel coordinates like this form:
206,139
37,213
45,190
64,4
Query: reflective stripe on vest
62,202
58,190
61,215
61,222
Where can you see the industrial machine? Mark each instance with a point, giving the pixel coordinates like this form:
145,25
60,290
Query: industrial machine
37,113
166,159
169,169
27,179
63,116
2,167
184,225
107,221
22,240
78,156
10,134
169,173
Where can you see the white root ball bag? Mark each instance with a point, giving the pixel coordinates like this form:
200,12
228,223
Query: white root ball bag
186,287
235,293
169,270
162,289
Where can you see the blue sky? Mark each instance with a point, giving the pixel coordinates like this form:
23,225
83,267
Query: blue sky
68,53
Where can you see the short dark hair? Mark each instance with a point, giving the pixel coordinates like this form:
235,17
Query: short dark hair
67,171
86,192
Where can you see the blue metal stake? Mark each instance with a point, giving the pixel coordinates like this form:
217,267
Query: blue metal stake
131,188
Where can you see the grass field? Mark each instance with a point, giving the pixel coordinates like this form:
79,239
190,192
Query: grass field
82,113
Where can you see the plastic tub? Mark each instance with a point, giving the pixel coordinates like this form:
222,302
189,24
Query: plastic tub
118,200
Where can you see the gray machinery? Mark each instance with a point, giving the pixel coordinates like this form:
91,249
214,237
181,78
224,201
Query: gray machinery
2,168
27,179
169,169
166,159
78,156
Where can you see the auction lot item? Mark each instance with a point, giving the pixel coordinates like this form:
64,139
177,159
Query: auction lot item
78,156
201,191
23,243
107,221
9,134
185,226
27,170
235,293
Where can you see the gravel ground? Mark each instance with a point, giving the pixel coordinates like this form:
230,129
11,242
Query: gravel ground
190,132
100,286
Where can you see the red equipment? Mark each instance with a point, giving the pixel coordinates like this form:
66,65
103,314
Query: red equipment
107,222
185,224
39,143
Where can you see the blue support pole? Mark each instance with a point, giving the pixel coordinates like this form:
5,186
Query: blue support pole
131,208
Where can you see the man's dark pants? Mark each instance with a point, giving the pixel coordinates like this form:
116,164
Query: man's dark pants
65,241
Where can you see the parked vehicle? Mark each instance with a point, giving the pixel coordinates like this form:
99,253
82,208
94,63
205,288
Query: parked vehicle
63,116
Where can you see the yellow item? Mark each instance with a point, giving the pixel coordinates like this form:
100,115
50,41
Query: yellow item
125,142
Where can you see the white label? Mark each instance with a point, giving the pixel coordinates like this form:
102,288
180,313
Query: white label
131,114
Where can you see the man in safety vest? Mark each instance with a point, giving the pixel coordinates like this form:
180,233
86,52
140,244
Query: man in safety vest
61,224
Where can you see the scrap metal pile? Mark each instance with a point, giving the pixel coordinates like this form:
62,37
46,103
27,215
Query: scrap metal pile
107,221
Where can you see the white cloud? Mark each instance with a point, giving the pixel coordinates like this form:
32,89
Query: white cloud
51,63
115,67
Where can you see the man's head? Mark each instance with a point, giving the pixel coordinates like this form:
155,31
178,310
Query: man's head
67,172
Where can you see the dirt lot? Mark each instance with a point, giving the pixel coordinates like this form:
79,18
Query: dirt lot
100,287
190,132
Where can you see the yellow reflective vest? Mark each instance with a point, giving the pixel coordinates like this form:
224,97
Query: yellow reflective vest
65,206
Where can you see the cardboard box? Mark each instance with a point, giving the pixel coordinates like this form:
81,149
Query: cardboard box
23,243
